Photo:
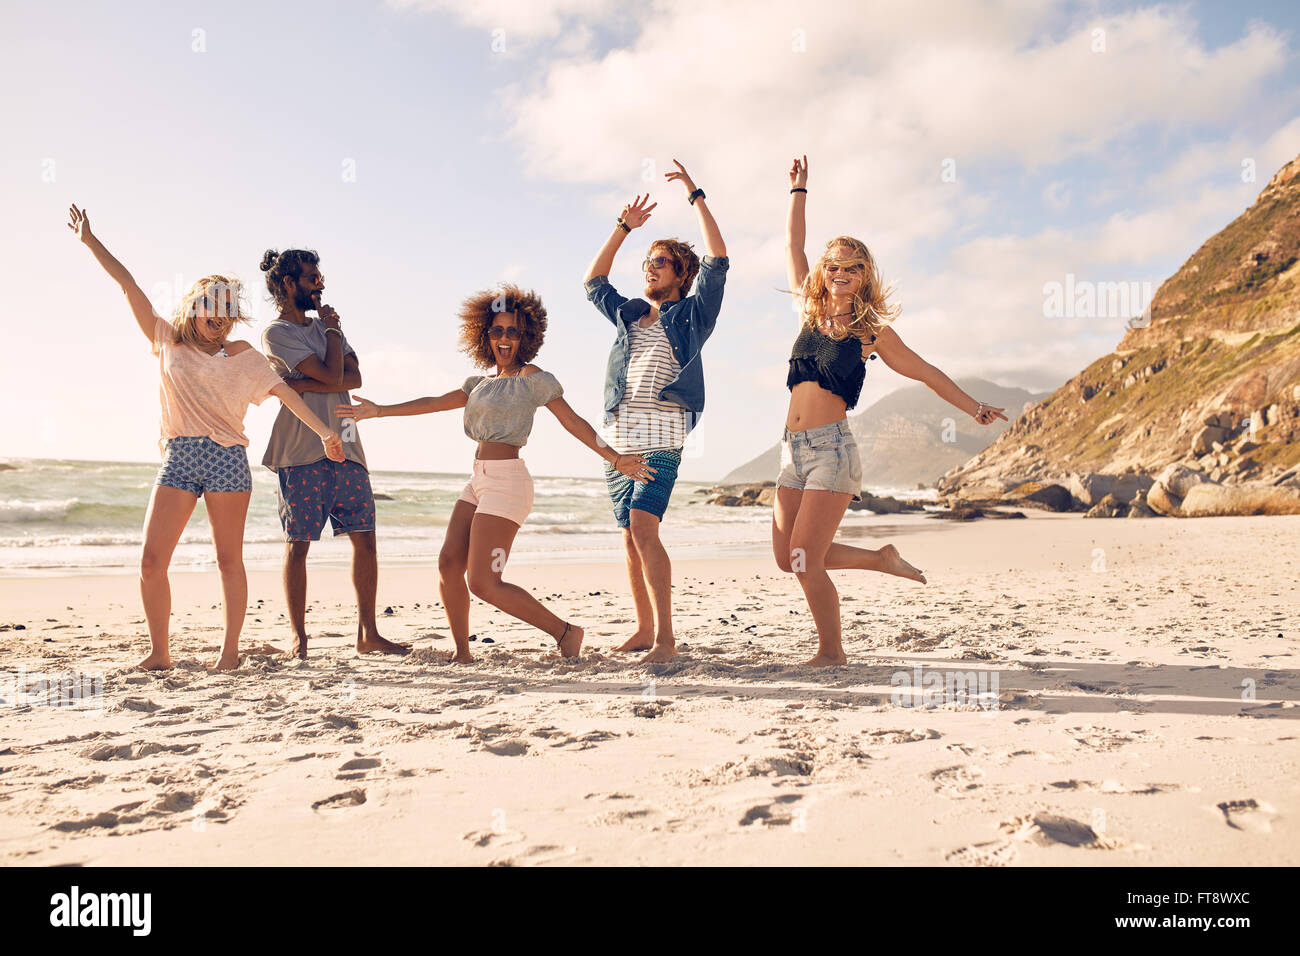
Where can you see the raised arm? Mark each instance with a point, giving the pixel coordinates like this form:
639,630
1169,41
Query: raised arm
363,408
634,214
796,261
141,307
910,365
713,243
634,466
328,437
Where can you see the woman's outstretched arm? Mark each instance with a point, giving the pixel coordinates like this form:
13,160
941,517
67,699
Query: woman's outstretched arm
633,466
907,363
141,307
328,437
796,261
364,408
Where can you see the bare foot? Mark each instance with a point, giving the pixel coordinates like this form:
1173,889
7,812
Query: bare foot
894,564
460,656
298,648
227,662
827,660
571,642
156,662
661,653
640,641
369,645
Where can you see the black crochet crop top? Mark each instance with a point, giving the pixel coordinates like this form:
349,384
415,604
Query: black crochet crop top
837,367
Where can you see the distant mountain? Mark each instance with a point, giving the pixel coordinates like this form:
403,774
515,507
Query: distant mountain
911,436
1211,381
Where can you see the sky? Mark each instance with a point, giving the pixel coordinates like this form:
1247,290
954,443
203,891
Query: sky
428,149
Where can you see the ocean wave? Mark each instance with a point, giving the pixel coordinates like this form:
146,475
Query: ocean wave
15,510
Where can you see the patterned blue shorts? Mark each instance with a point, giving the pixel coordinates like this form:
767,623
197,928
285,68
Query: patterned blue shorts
198,465
652,496
337,490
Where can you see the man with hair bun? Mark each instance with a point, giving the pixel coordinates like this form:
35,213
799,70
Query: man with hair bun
654,393
314,358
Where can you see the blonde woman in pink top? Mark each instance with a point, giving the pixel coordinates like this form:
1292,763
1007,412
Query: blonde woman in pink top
207,384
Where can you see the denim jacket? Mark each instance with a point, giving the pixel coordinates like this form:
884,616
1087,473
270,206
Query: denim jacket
688,323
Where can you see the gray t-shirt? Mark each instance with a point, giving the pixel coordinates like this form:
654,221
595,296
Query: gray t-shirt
286,344
501,408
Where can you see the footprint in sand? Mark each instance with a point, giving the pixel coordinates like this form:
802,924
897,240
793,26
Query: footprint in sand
492,838
1104,738
1249,814
1050,829
351,798
538,855
956,782
771,814
356,768
105,821
993,853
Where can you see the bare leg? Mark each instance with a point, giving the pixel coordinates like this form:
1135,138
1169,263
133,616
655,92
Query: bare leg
169,511
452,561
295,593
820,513
841,557
489,548
365,578
227,512
643,638
659,575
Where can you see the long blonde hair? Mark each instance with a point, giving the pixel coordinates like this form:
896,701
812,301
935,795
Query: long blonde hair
215,295
871,312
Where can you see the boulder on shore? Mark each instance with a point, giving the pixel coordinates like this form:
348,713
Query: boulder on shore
1091,487
1108,507
1246,498
1037,494
882,506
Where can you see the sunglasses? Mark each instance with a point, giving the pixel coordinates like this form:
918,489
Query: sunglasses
658,262
497,331
832,269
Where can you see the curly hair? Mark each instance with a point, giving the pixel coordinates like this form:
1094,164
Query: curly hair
685,262
480,309
870,309
216,295
281,265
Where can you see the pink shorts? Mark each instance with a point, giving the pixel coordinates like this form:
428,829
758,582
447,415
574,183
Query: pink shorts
501,487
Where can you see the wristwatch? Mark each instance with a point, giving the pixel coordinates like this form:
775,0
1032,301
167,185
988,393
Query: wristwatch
698,194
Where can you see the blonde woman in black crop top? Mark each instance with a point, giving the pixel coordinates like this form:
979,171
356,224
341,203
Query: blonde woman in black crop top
842,303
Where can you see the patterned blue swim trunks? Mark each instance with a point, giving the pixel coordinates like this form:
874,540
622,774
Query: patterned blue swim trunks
337,490
198,464
652,496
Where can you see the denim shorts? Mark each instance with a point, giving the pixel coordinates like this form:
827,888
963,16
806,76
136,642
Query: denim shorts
824,458
197,464
337,490
651,496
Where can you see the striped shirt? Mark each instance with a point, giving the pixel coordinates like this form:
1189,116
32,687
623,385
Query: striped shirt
643,421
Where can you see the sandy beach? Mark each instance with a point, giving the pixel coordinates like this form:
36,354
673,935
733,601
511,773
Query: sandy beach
1139,707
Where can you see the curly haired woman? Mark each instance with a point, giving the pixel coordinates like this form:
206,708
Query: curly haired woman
842,305
500,329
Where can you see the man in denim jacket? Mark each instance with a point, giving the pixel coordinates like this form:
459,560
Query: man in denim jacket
654,393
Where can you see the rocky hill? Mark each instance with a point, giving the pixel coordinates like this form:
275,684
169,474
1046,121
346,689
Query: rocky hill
911,436
1210,384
